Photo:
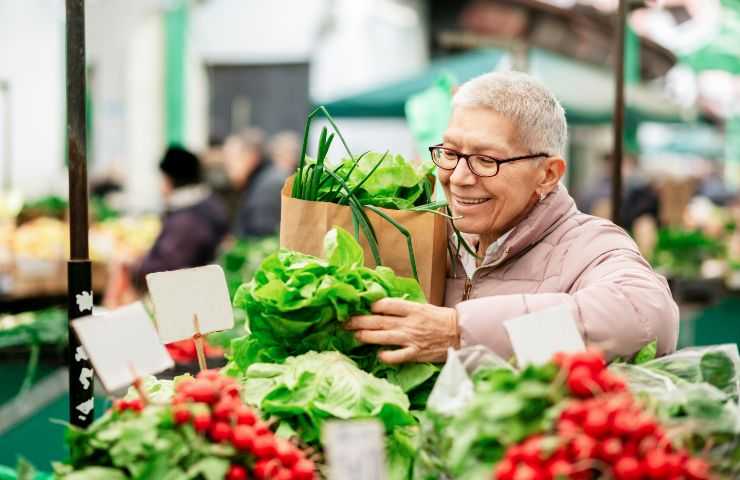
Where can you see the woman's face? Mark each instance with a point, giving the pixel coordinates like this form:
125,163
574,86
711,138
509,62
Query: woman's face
489,206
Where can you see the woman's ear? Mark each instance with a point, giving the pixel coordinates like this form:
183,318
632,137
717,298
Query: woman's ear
554,169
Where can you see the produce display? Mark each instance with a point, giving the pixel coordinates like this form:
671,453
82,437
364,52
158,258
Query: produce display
42,327
575,418
203,431
46,239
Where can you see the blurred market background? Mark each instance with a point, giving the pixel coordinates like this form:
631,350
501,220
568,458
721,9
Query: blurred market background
233,80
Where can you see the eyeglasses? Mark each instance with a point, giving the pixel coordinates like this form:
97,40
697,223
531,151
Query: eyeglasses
480,165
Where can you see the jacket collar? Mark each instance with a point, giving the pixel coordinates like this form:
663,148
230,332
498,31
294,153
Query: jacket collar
186,197
543,219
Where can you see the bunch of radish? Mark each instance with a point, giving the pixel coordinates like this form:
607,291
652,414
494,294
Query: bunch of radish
212,405
603,431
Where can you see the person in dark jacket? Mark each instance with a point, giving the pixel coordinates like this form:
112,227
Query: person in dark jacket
258,180
194,223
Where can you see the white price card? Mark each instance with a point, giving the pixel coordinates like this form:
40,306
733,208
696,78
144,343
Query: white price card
536,337
181,295
354,449
122,345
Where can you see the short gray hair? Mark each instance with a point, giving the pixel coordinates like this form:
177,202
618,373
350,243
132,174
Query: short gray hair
536,113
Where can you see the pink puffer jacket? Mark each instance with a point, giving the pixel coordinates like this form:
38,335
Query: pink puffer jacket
558,255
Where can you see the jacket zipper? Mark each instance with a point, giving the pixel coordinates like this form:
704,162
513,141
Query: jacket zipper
468,288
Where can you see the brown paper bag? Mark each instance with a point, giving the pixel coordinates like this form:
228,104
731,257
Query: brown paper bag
303,225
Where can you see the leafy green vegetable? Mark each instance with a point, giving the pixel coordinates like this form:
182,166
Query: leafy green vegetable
506,408
387,181
298,303
307,390
681,252
646,353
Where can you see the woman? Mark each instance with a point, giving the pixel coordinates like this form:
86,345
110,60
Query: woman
500,165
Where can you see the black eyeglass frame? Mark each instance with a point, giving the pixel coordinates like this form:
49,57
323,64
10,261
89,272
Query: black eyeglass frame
466,156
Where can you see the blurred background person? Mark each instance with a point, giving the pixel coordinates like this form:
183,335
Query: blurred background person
193,225
257,179
639,197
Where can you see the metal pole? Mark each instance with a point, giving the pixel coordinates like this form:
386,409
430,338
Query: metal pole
7,137
79,272
616,200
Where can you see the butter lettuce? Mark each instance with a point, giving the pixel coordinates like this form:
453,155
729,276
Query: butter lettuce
298,303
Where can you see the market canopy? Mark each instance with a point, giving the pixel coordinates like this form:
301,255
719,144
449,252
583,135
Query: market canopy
722,50
586,91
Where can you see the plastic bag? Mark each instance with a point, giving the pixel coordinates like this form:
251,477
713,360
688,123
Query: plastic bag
716,365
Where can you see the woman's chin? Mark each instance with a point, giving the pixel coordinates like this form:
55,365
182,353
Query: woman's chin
469,226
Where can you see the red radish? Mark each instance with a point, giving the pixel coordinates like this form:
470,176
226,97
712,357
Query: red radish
136,405
202,421
575,411
647,445
288,454
266,469
656,464
580,382
568,428
560,469
627,468
120,405
624,424
303,470
592,360
237,472
180,414
514,453
531,452
645,426
242,437
675,465
697,469
504,470
231,391
283,474
526,472
220,432
596,423
245,415
202,391
610,450
583,447
261,428
223,409
610,382
264,447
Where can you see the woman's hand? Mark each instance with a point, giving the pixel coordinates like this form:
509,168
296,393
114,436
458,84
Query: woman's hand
423,332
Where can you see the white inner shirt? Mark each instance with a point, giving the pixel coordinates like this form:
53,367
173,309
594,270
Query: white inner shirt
469,261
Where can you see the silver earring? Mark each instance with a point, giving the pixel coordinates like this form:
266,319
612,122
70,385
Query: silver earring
542,196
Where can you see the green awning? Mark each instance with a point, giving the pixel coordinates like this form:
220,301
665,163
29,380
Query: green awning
586,91
722,50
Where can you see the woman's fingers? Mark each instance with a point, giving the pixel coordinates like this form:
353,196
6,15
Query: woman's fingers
371,322
382,337
393,306
401,355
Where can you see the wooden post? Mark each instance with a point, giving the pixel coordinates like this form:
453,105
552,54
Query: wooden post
79,273
199,344
618,152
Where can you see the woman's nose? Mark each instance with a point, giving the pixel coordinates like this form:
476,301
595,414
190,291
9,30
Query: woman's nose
462,175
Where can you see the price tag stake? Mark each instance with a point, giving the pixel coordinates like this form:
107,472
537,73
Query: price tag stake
199,344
